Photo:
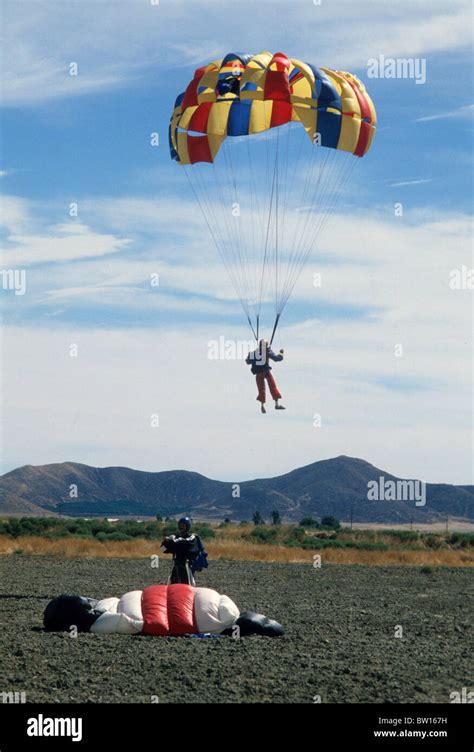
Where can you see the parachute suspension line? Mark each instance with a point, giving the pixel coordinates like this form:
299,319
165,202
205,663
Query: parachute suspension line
254,236
333,187
249,245
340,178
276,219
256,200
218,208
213,212
334,193
260,143
268,174
268,227
277,319
308,201
315,177
296,162
284,216
296,136
300,217
209,212
239,250
243,256
219,250
233,244
253,330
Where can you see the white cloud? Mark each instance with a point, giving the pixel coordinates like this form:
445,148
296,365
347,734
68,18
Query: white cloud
96,408
409,415
64,242
115,43
402,183
459,112
400,264
15,214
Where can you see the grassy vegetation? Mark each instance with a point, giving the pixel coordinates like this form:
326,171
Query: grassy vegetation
53,528
244,541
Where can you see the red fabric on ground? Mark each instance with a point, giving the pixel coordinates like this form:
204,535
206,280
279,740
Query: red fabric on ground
168,610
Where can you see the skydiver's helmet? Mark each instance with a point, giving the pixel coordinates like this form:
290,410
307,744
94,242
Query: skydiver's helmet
184,525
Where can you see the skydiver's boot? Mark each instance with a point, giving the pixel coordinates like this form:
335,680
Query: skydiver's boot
262,408
279,407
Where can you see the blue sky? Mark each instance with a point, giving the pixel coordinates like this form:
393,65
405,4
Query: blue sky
143,352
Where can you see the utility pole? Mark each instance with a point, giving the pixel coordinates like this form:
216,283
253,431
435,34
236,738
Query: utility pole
351,517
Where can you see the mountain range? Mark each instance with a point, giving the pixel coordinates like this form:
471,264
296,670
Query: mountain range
337,487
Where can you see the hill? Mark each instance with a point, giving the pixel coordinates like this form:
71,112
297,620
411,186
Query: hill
335,486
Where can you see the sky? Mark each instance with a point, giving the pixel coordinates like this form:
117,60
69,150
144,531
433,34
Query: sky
100,367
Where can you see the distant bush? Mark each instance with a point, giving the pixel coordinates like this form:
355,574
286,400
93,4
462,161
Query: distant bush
296,533
461,540
433,541
204,531
367,546
263,534
102,526
170,529
13,528
402,535
308,522
330,522
313,543
112,536
317,543
78,527
117,536
28,526
132,528
58,532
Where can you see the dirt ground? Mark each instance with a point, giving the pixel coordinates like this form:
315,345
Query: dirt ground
340,644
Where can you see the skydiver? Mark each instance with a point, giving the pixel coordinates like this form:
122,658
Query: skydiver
260,367
188,552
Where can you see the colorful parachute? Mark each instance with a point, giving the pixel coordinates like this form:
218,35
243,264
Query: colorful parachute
266,194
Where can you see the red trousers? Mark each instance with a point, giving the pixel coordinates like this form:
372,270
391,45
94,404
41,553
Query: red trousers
260,377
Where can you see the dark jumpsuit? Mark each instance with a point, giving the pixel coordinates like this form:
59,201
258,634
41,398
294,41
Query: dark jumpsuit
185,548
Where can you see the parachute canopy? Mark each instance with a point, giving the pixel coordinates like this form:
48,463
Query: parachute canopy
265,194
160,610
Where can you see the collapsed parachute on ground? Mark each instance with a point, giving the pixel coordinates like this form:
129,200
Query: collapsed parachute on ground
160,610
267,144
